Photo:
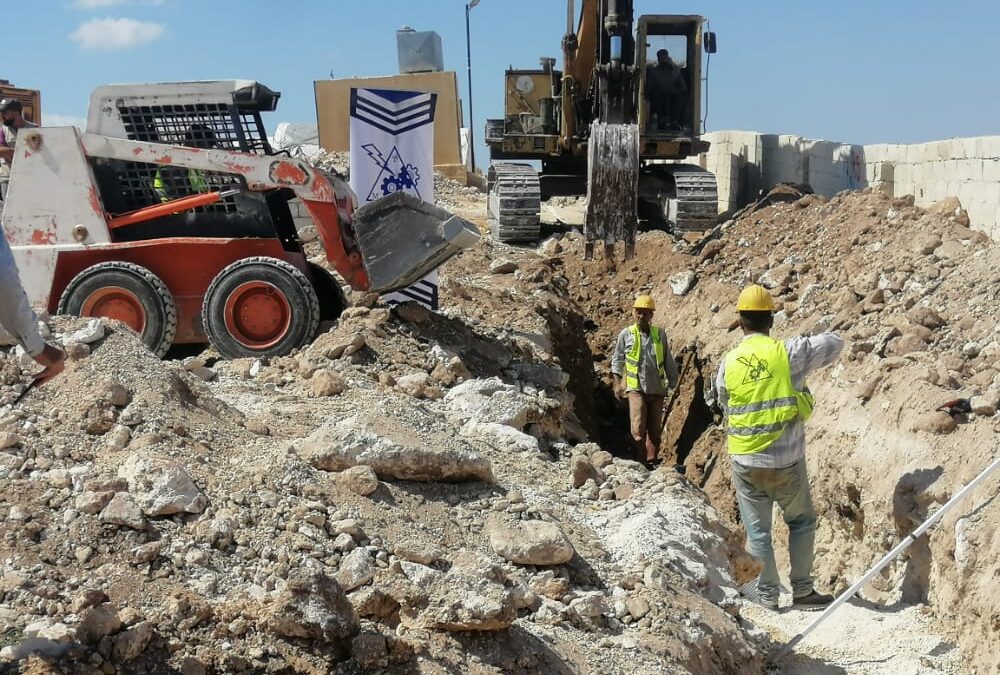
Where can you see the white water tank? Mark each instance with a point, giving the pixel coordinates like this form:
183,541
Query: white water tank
419,51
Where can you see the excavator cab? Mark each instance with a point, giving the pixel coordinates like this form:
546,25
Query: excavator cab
669,52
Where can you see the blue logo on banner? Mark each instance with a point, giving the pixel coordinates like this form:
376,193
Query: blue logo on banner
394,173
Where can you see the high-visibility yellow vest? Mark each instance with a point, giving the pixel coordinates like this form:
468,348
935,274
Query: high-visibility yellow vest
634,354
762,400
195,178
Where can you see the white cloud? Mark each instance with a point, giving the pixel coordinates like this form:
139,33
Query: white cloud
57,120
111,33
98,4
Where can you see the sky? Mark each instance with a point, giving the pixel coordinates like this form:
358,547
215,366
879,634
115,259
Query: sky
852,71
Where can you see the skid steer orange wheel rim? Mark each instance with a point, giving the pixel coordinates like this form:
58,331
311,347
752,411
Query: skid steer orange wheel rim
258,315
115,302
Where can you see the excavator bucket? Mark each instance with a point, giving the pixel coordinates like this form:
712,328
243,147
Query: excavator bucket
612,187
402,238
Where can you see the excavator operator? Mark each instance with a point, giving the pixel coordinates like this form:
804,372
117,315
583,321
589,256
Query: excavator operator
666,91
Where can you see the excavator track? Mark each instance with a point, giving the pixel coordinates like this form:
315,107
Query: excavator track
612,187
515,202
695,204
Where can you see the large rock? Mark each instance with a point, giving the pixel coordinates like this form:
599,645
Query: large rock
132,642
398,454
161,486
582,469
41,637
361,480
312,607
937,422
501,436
530,542
356,569
682,282
122,510
326,383
490,400
97,622
677,533
466,598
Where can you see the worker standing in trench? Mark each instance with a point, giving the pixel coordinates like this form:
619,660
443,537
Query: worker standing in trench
761,388
643,352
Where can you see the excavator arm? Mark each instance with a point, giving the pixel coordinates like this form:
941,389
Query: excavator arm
600,55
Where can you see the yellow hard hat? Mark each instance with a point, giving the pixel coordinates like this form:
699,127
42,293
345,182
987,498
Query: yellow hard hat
755,299
644,302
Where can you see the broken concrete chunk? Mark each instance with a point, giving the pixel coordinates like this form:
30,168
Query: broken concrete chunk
89,334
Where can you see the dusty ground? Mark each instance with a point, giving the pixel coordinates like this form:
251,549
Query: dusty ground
417,493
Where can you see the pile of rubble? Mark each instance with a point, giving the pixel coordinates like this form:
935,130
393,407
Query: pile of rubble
421,491
409,488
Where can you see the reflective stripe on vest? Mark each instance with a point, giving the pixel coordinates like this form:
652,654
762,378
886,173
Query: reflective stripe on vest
635,354
762,401
195,178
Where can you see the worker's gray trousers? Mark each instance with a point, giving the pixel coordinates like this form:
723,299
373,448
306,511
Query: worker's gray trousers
756,491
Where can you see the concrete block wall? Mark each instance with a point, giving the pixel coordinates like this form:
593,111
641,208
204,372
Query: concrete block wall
967,168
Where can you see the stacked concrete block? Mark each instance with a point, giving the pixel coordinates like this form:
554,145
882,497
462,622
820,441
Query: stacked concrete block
967,168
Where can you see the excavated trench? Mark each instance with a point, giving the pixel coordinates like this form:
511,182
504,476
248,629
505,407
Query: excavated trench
693,439
686,418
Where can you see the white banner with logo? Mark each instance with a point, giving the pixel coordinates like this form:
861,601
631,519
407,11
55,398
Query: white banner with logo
392,149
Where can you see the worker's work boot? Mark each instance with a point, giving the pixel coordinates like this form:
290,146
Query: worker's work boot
812,601
750,591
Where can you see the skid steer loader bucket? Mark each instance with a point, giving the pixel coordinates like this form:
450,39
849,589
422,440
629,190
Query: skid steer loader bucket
402,238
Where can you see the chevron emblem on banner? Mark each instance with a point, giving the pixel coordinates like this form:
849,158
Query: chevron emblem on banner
394,112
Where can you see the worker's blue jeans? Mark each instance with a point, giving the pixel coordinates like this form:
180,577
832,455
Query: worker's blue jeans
756,491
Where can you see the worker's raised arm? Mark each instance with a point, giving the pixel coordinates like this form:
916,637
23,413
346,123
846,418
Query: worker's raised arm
809,353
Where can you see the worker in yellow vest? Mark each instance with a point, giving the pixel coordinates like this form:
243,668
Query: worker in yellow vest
643,369
761,387
173,182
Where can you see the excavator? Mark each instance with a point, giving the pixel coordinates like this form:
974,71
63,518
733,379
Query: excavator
613,124
171,214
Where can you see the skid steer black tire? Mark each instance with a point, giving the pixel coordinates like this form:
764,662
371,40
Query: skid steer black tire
127,292
332,301
260,306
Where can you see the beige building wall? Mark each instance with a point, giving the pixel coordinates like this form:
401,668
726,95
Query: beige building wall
333,102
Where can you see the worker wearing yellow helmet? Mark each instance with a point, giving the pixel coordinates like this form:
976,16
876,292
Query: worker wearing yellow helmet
643,369
761,388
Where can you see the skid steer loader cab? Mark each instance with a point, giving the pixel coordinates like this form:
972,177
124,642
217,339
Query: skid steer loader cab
226,111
